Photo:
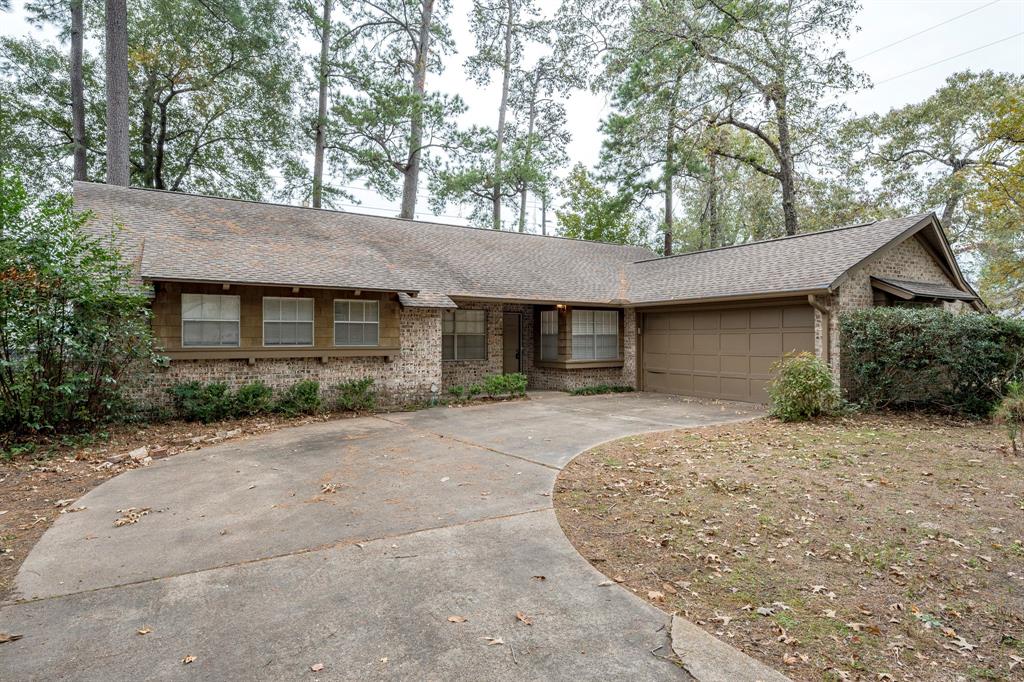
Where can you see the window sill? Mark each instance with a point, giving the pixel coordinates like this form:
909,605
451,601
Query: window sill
578,364
253,354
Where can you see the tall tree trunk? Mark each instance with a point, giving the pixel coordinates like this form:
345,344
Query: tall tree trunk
321,106
714,221
670,143
117,92
787,173
78,90
544,212
419,89
529,148
948,215
500,141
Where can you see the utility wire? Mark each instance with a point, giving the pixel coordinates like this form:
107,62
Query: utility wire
942,61
923,31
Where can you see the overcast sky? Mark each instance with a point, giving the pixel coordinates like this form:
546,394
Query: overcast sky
988,35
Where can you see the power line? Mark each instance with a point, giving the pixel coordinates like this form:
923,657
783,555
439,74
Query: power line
923,31
942,61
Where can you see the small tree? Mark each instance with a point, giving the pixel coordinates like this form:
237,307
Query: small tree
71,320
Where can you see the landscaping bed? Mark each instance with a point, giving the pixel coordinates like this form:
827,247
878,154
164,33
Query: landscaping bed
881,547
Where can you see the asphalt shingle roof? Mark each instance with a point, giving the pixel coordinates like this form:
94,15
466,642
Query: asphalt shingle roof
812,261
196,238
927,289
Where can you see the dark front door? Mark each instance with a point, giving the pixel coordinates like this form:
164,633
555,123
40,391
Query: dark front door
512,342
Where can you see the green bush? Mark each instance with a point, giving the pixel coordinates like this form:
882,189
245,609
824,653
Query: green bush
72,321
1010,413
357,395
600,389
803,388
253,399
458,393
474,390
300,398
926,358
513,384
199,402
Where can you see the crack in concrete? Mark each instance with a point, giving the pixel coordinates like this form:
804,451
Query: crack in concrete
341,544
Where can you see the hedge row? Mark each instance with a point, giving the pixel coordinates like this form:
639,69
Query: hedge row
926,358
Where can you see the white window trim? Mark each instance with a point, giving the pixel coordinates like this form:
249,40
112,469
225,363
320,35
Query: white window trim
312,323
238,322
455,335
335,322
593,334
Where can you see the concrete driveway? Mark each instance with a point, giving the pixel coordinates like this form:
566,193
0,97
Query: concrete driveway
248,565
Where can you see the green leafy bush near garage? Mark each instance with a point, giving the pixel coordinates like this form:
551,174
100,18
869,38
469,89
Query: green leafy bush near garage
928,358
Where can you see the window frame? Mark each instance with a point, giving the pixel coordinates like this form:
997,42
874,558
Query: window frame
455,335
594,335
541,335
237,321
311,322
335,322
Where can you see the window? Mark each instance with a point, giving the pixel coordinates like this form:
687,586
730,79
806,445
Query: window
356,323
464,335
595,335
209,320
549,335
287,321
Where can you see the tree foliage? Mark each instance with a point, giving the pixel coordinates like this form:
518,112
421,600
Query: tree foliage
591,212
71,320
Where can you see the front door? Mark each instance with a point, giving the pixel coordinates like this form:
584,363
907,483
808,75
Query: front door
512,343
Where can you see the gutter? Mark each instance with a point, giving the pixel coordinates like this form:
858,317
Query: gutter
826,315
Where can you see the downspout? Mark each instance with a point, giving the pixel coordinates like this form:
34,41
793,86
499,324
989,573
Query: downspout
826,314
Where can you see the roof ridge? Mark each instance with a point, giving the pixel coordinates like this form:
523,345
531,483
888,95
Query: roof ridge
779,239
355,213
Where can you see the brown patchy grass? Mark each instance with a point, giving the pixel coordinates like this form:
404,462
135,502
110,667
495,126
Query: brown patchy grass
879,547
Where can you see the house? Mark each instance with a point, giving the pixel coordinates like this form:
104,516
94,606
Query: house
245,291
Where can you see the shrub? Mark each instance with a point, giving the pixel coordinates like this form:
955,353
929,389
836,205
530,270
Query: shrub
300,398
803,388
71,320
199,402
473,390
1010,412
513,384
600,389
357,395
930,359
458,393
253,399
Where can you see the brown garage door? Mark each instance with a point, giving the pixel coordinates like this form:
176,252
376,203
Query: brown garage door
724,353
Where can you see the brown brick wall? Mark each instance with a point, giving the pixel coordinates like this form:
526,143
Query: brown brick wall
408,377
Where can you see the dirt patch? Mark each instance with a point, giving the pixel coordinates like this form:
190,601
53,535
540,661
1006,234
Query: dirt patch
869,548
38,486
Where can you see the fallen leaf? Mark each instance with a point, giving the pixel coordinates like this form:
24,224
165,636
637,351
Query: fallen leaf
492,641
144,631
523,618
606,583
764,611
668,588
456,619
538,577
188,659
383,659
4,638
654,595
130,515
316,667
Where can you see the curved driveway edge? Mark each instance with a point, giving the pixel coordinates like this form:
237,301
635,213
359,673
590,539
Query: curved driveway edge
348,543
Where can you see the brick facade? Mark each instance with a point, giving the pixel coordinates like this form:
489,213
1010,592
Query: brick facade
408,377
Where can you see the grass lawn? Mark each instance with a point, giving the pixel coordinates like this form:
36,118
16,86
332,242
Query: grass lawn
881,547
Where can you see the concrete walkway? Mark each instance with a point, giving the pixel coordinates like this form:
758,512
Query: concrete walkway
248,565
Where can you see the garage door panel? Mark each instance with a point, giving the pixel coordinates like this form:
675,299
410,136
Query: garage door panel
680,343
736,364
735,319
726,353
706,363
797,341
766,343
797,316
735,343
705,343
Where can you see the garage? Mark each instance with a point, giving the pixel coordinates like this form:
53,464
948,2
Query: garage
722,353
